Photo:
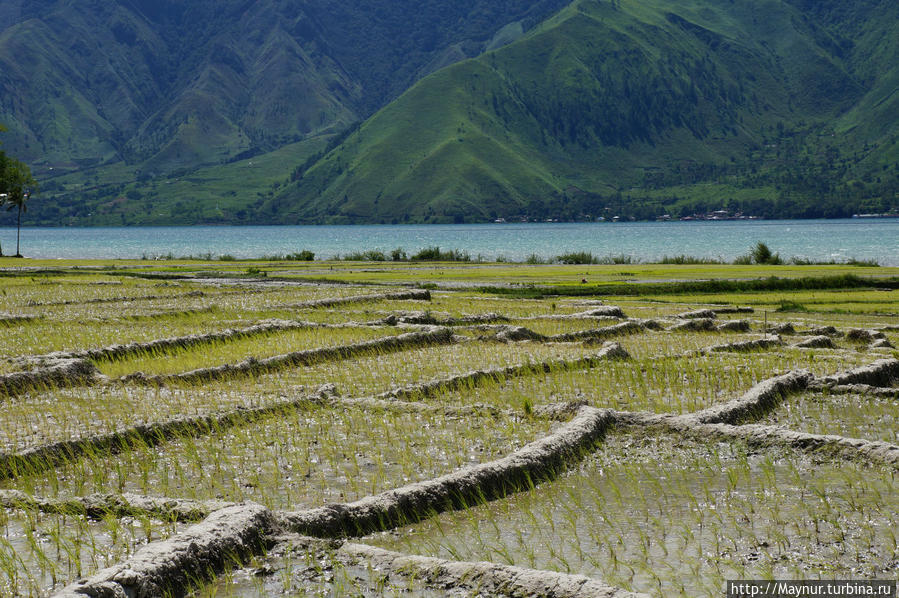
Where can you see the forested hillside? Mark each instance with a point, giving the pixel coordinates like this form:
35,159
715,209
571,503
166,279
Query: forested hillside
111,92
288,111
635,109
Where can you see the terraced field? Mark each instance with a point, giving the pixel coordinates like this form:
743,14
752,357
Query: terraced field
199,435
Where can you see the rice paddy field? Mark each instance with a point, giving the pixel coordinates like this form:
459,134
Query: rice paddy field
367,429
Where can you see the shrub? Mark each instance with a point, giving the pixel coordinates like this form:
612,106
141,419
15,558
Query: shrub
616,259
433,254
580,257
688,259
863,263
301,256
372,255
791,306
761,254
801,261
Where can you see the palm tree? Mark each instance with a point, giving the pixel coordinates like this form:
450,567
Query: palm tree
16,187
18,200
3,197
3,194
18,184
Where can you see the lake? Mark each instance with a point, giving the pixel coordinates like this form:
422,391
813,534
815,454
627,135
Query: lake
863,239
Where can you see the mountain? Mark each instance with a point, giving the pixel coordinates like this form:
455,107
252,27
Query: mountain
186,111
635,108
175,84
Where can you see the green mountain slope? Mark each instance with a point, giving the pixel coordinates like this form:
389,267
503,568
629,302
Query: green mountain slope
168,85
640,106
98,84
118,98
162,111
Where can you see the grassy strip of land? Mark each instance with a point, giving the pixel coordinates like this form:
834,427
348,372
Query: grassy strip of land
772,283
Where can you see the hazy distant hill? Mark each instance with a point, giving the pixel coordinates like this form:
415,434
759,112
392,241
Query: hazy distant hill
238,111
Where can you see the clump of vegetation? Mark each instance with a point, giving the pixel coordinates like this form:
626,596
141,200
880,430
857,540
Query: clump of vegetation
585,257
761,254
300,256
798,261
580,257
434,254
371,255
863,263
791,306
399,255
297,256
618,259
689,259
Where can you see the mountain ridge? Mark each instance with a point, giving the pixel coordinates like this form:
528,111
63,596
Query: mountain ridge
139,81
510,109
694,94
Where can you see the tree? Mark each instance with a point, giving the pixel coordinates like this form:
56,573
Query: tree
3,194
19,187
16,187
761,254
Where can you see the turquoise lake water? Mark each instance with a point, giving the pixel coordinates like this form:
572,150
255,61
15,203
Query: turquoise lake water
863,239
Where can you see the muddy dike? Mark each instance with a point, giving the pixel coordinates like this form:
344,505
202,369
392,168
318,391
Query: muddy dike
759,344
411,295
758,435
181,342
599,334
55,373
816,342
533,463
759,400
881,373
865,389
434,387
50,456
511,333
490,579
424,318
603,312
712,313
170,567
716,423
14,319
234,534
120,299
698,314
99,506
300,358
